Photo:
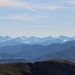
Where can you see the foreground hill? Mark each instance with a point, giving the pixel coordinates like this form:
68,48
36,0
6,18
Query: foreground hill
59,67
67,54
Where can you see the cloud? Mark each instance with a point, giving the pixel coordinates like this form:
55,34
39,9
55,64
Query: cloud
16,3
28,5
45,6
38,6
70,1
23,17
69,4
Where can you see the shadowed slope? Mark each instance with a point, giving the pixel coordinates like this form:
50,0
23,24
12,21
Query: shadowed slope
54,67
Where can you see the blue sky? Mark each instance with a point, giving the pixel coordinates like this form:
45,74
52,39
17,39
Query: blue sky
37,17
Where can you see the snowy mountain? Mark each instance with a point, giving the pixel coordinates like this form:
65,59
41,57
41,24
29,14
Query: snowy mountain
7,40
45,40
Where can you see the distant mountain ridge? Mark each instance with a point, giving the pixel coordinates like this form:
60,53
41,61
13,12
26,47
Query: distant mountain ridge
66,54
29,52
7,40
4,61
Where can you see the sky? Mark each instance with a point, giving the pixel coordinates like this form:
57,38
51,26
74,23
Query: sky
37,17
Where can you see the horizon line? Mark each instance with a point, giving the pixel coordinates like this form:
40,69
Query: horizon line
36,36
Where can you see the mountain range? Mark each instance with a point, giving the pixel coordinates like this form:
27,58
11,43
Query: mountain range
46,48
67,54
7,40
30,52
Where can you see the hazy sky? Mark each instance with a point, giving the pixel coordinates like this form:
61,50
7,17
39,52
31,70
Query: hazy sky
37,17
